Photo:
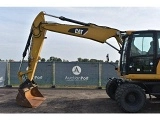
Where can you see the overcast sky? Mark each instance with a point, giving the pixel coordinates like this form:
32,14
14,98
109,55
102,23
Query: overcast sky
15,23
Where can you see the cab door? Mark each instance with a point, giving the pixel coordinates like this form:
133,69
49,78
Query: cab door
142,53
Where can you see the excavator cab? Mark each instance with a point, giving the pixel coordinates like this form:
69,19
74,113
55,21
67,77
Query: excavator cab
140,53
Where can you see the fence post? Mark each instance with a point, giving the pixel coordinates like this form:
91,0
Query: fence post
53,75
100,76
8,75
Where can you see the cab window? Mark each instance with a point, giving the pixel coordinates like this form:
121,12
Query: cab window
142,44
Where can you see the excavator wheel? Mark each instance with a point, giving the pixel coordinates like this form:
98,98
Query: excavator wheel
111,87
130,97
29,97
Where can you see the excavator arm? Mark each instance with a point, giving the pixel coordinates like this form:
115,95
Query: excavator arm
28,95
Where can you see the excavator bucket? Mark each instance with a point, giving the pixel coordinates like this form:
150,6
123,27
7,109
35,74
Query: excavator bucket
31,98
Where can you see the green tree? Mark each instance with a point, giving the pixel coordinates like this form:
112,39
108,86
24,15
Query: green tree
43,60
79,59
85,60
54,59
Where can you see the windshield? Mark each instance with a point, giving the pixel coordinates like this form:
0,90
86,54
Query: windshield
141,55
141,44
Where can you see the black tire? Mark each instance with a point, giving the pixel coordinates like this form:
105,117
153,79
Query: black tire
111,87
130,97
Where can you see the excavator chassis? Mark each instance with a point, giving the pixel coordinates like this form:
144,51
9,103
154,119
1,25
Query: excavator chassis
29,95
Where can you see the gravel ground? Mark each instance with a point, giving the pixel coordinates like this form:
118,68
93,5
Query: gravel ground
68,101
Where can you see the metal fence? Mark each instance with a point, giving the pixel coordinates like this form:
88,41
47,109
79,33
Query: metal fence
3,73
61,74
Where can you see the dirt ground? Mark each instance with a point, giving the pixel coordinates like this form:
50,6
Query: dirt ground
68,101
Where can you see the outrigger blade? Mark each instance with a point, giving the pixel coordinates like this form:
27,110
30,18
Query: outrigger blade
29,97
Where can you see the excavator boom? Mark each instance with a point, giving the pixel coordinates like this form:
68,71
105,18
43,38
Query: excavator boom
29,95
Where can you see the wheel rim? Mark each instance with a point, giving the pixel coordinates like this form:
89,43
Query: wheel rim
132,98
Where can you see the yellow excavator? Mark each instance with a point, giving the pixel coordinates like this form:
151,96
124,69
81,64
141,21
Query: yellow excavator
138,68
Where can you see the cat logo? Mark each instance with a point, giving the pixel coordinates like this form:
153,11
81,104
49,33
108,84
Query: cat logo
80,31
76,70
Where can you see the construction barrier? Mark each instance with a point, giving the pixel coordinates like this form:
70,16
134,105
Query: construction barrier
3,73
62,74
